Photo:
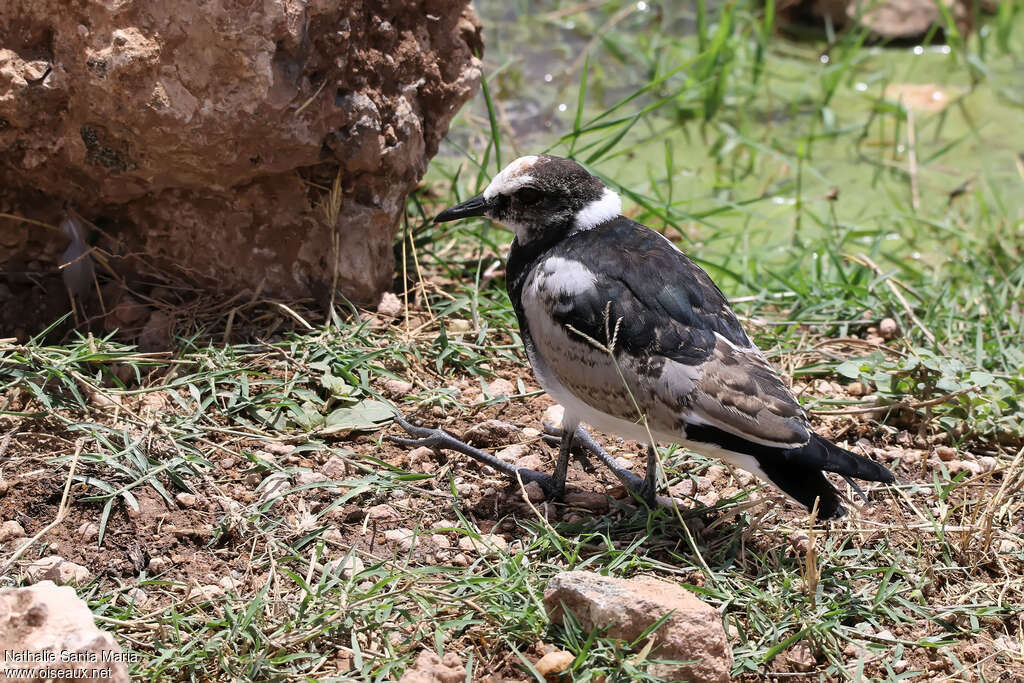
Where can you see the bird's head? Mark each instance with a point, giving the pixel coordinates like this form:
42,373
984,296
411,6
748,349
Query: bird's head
541,196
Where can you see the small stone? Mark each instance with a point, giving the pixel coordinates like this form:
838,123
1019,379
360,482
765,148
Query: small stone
856,389
274,487
899,666
945,453
421,455
334,468
277,448
588,500
104,399
988,463
800,542
534,492
55,568
513,453
226,463
429,668
397,388
186,500
888,329
554,663
553,416
11,529
87,531
390,305
955,467
460,560
709,499
491,433
801,658
228,583
501,387
874,340
531,461
158,564
402,538
347,566
531,432
625,608
35,70
486,545
440,540
305,477
137,595
382,513
1006,546
4,486
205,593
332,535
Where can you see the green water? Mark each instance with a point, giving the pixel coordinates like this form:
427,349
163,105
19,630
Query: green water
780,174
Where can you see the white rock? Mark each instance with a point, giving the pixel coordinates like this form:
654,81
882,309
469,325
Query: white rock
347,566
55,568
402,538
553,416
11,529
45,618
390,305
185,499
513,452
334,468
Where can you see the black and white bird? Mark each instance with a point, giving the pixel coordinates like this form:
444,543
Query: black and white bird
633,338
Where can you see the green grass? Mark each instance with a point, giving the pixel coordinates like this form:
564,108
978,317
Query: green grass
790,179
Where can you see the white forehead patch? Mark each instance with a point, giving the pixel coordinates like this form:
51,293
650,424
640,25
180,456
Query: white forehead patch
512,177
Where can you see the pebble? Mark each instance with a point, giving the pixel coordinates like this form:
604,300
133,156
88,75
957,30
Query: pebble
186,500
534,492
55,568
347,566
11,529
332,535
87,531
401,537
397,388
501,387
390,305
530,462
945,453
382,513
273,487
226,463
856,389
955,467
158,564
137,595
588,500
277,448
554,415
531,432
511,453
554,663
491,433
304,477
487,544
988,463
460,560
800,542
888,328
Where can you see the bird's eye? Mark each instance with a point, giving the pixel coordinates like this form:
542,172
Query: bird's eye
529,195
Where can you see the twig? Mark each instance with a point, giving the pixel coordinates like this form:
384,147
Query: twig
915,195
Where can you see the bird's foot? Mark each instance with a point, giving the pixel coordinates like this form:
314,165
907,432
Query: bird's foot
438,439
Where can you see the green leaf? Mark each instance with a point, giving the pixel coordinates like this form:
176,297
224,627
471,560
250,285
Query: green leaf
363,416
849,369
337,386
981,379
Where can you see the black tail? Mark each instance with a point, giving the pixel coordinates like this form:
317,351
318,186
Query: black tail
798,471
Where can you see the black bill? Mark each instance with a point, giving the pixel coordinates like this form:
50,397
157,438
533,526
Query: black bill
476,206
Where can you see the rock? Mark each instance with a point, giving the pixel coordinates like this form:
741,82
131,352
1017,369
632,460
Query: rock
397,388
55,622
883,19
486,545
888,329
185,499
594,502
429,668
554,663
553,416
389,306
277,448
460,560
347,566
158,564
491,433
334,468
137,596
800,658
513,453
856,389
88,531
55,568
382,513
531,461
11,529
945,453
534,492
955,467
205,130
501,387
624,608
402,538
306,477
274,487
800,542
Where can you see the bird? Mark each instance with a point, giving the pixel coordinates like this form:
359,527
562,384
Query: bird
633,338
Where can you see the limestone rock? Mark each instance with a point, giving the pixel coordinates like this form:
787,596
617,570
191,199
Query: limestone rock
52,620
203,135
625,607
58,570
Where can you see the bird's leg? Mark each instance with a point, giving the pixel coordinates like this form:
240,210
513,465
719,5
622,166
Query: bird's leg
649,489
645,489
562,464
439,439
